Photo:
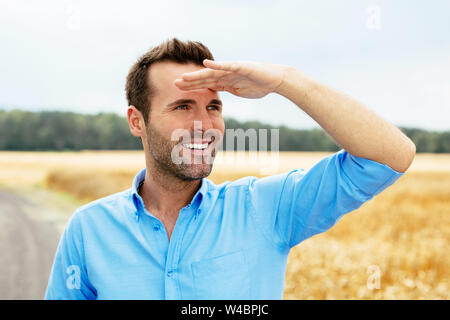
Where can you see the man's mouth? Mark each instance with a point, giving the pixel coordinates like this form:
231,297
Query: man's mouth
203,148
196,146
200,151
199,144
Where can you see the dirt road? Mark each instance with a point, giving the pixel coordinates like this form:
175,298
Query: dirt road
29,234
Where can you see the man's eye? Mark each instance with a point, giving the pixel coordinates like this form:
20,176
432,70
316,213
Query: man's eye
214,107
182,107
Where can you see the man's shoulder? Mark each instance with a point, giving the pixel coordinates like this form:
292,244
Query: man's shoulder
107,205
246,183
227,185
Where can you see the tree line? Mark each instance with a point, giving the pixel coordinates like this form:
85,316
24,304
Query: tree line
67,131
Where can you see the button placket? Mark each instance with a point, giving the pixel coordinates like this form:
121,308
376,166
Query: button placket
171,284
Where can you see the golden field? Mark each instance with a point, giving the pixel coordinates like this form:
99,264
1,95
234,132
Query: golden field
395,246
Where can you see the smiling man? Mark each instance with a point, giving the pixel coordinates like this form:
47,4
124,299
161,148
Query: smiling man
176,235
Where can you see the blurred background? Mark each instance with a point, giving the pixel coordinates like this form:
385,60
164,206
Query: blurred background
64,139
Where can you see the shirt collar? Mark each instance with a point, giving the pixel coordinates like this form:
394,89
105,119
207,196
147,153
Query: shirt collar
196,202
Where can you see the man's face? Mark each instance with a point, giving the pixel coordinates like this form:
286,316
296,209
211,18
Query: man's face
185,127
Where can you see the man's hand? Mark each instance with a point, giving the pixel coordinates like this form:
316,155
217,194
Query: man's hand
245,79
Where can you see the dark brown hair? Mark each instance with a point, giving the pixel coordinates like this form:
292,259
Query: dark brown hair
139,89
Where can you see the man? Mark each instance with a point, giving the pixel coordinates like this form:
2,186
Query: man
175,234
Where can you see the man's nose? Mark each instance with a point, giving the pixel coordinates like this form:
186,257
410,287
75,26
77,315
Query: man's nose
202,121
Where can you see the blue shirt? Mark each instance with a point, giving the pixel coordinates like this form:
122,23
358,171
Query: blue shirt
231,242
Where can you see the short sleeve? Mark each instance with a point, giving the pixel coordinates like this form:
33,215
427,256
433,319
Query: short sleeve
68,278
294,206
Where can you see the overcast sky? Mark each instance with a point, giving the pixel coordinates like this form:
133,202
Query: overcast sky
393,55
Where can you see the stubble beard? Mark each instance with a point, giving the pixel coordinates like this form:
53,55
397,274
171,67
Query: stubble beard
160,150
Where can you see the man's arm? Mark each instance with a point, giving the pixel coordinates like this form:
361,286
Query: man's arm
68,278
353,126
291,207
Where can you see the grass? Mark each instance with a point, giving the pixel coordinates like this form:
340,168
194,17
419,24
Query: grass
400,238
404,233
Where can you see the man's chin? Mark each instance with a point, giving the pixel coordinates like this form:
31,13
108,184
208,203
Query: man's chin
194,171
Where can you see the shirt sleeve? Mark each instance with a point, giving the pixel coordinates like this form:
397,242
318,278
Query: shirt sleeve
294,206
68,277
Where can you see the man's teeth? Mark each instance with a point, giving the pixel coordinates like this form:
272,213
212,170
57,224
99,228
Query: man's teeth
199,146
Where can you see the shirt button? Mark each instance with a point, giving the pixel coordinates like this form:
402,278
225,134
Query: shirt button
156,227
170,274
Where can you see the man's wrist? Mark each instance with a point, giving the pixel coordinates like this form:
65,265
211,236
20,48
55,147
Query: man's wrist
293,84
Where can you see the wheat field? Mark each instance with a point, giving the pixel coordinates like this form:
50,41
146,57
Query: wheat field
395,246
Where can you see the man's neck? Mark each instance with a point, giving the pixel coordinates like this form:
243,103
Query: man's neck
165,195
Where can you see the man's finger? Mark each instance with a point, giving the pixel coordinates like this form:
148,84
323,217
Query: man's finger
183,85
202,74
211,85
230,66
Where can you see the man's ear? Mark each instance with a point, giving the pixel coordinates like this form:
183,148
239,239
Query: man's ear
136,122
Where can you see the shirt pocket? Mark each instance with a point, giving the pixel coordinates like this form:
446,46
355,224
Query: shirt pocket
222,278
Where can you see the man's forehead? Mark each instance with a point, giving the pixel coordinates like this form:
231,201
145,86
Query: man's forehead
165,72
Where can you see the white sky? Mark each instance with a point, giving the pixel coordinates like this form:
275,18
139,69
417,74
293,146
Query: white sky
393,56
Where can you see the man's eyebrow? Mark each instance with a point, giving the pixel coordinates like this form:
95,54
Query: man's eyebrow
190,101
215,101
